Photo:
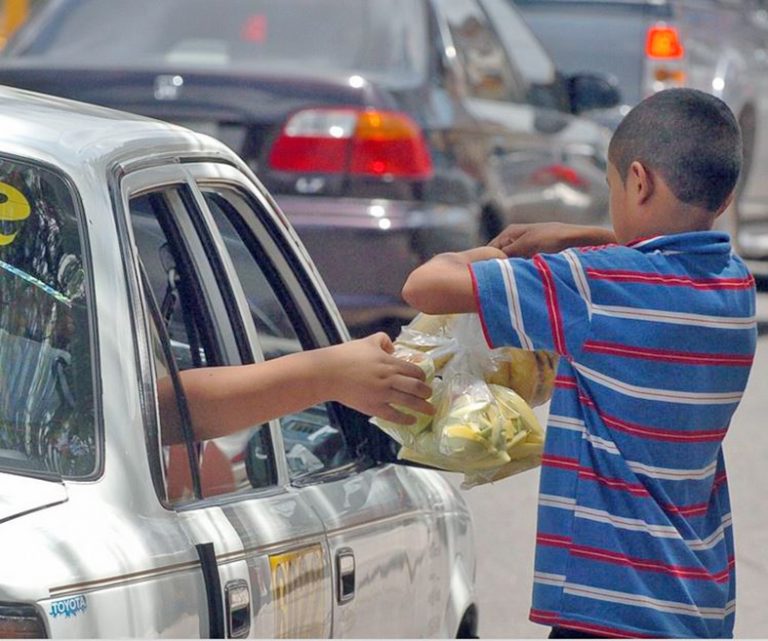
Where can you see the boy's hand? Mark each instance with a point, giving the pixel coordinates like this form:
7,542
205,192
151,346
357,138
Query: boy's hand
366,377
526,240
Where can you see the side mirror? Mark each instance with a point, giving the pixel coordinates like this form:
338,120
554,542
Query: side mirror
590,91
550,121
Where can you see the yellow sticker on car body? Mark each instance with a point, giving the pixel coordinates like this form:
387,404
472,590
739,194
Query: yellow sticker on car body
14,207
301,593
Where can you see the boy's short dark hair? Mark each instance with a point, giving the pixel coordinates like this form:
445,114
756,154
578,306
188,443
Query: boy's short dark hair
689,137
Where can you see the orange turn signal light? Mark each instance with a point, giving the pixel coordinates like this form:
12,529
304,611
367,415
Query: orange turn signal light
663,42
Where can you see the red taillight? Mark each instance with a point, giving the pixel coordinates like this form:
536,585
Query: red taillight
663,42
361,142
552,174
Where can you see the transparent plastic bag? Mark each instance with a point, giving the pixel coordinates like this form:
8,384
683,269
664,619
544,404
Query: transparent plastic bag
481,426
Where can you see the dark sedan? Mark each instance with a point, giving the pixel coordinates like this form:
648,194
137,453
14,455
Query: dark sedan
388,130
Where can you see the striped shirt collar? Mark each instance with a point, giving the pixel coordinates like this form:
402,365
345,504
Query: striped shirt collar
696,242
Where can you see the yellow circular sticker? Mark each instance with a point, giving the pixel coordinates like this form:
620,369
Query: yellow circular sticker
14,207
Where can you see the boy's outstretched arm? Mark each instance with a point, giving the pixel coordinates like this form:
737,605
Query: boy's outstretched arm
526,239
443,285
361,374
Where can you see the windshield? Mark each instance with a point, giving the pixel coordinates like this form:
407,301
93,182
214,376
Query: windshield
46,394
378,36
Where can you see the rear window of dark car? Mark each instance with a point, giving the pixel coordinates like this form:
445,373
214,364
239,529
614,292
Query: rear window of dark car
372,36
47,413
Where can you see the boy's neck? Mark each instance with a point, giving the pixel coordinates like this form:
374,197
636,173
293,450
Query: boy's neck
674,221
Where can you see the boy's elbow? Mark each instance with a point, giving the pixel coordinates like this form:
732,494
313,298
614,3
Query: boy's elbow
417,294
440,293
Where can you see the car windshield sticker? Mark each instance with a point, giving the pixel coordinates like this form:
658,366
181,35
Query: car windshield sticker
14,207
37,283
69,607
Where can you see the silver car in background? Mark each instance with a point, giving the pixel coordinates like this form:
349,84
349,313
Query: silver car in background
130,250
717,46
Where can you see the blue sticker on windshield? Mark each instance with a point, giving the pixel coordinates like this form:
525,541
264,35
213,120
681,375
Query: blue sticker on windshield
36,282
70,607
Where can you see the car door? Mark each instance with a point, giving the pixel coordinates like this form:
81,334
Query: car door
383,544
262,546
88,550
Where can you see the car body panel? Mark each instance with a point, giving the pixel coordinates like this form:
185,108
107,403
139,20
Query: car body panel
29,495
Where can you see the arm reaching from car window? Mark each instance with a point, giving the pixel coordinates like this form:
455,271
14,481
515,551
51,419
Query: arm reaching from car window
361,374
525,240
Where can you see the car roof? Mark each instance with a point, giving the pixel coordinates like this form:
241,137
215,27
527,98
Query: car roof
73,134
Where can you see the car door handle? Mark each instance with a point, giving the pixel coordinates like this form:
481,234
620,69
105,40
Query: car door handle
345,575
238,604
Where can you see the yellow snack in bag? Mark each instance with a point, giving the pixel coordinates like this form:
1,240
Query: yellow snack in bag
530,373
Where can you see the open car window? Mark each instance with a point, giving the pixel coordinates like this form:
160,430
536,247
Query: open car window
315,440
186,327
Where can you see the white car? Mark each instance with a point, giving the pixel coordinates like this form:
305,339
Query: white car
131,249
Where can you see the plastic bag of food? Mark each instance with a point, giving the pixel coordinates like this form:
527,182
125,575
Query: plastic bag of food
483,424
530,373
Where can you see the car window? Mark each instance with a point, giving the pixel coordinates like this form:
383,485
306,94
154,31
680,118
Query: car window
528,54
544,87
314,439
486,67
380,37
47,413
184,338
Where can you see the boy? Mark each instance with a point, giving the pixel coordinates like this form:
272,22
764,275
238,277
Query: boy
656,332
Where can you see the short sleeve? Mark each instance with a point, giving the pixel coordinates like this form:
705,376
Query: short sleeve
538,303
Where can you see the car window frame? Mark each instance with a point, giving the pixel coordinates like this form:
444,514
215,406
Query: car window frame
127,185
320,315
318,324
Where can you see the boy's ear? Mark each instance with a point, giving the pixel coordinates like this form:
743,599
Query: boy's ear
641,182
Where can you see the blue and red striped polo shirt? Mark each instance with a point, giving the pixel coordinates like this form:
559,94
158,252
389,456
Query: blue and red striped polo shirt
656,339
